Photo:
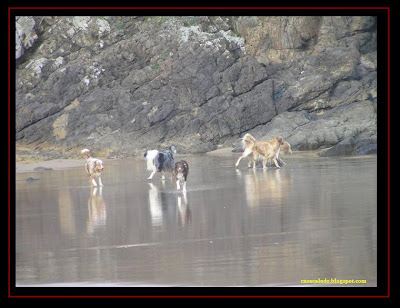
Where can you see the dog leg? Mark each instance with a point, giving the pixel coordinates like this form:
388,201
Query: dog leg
238,161
152,174
276,163
177,185
252,162
93,181
265,163
100,183
280,161
184,187
245,154
251,159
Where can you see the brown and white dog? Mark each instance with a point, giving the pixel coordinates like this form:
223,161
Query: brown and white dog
181,172
94,167
268,150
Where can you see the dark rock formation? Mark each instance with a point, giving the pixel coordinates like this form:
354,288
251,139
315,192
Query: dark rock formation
119,85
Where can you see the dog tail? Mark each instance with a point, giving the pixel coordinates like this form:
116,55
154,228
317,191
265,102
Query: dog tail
150,156
248,140
172,149
85,153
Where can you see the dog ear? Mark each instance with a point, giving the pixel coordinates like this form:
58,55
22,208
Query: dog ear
145,154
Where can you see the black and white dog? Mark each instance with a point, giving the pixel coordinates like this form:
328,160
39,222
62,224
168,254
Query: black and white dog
181,172
160,161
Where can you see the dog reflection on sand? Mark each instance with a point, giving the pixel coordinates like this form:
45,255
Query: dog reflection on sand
97,213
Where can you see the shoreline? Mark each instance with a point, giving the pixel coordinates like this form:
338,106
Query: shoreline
66,163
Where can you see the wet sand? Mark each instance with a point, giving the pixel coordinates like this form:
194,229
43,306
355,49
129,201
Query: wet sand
314,218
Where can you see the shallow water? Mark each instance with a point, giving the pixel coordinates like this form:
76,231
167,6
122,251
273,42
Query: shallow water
314,218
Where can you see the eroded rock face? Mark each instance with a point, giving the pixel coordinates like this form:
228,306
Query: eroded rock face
119,85
25,35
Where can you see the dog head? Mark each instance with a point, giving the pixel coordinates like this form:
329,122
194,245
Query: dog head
98,165
286,148
279,139
181,167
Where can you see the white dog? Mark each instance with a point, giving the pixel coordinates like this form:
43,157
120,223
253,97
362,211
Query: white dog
94,167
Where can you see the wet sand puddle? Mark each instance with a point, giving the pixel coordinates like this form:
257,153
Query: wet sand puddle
314,218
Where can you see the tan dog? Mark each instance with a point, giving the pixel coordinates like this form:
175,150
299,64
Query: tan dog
285,148
94,167
268,150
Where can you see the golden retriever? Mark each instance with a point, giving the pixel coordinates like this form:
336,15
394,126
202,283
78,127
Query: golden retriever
285,148
268,150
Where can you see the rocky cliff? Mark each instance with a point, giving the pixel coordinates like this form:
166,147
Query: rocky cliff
119,85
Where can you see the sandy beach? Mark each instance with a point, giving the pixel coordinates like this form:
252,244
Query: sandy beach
55,164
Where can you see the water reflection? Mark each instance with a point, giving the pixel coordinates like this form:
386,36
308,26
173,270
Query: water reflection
312,218
272,186
66,212
184,212
97,213
164,202
155,205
